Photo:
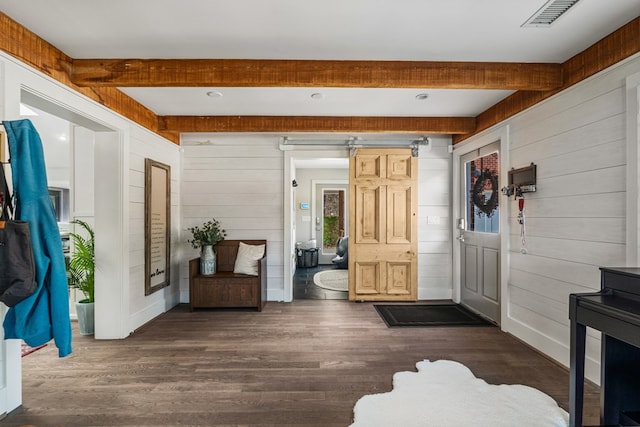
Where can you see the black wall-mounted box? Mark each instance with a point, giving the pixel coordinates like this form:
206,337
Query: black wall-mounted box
523,178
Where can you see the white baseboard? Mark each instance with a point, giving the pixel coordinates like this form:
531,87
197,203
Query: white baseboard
275,295
148,313
555,350
430,294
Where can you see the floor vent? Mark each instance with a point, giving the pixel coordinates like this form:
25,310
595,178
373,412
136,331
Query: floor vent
549,13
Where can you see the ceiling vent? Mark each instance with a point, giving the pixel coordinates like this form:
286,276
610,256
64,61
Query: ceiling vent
549,12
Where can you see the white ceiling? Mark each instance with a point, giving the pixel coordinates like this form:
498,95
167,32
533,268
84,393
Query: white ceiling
420,30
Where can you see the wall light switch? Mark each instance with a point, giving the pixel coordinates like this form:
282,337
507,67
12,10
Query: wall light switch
433,220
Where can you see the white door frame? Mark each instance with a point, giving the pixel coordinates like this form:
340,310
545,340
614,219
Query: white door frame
499,134
632,87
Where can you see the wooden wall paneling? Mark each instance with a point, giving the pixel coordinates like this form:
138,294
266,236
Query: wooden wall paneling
600,132
555,269
230,147
575,222
434,238
596,253
236,210
247,201
600,87
605,230
222,163
600,205
563,118
217,175
551,328
553,289
200,194
555,311
602,156
608,180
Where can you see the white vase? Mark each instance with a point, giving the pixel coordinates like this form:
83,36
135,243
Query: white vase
207,261
85,312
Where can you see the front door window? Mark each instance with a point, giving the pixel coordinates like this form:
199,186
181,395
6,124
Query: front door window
482,194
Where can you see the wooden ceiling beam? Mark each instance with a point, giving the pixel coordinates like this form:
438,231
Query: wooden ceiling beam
421,125
314,73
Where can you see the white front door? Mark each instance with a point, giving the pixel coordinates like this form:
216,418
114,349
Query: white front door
479,230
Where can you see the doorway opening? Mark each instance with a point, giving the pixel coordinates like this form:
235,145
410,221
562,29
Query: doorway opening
318,206
331,215
82,158
333,224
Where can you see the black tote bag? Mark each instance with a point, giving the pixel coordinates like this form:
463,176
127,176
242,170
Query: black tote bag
17,266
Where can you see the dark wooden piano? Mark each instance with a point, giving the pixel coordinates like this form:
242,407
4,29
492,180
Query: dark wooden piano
615,311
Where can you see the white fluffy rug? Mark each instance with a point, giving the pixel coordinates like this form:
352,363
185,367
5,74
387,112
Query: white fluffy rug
335,280
446,393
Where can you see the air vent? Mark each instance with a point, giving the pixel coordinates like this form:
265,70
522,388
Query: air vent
549,13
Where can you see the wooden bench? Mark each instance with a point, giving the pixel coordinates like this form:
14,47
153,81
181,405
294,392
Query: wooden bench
226,288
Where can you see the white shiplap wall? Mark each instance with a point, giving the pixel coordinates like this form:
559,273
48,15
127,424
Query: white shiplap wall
144,144
576,219
238,180
434,202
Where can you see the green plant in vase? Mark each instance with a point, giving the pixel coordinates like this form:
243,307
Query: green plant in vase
82,263
81,270
206,237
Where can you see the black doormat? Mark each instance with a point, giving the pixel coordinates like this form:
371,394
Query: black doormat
399,315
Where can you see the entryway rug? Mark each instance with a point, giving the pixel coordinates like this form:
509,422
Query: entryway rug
399,315
334,280
25,349
445,393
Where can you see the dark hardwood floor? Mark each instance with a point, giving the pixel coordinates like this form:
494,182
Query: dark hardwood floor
304,363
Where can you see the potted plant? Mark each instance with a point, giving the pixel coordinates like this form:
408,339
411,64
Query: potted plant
81,275
205,238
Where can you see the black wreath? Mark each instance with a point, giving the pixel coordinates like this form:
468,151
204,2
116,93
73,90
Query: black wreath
486,206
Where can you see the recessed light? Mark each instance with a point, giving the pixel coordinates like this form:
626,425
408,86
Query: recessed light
317,95
214,94
422,96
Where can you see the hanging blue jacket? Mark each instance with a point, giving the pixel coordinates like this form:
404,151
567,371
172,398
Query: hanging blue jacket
45,314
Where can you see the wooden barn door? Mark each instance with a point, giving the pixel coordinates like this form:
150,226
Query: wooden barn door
383,225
